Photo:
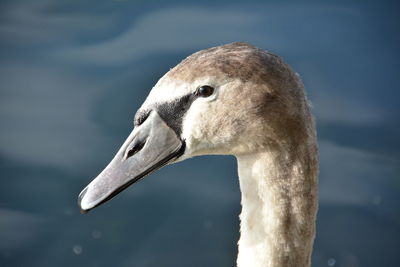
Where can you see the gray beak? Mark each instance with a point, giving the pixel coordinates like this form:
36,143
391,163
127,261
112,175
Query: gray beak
150,146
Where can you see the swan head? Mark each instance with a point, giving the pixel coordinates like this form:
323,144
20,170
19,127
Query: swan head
232,99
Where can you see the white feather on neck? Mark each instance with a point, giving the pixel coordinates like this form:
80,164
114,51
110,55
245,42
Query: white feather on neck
278,211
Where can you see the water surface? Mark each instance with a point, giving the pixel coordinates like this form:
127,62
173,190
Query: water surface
73,73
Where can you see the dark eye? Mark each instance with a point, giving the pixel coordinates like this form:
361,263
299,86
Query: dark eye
204,91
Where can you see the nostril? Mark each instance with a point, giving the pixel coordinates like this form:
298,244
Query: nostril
135,149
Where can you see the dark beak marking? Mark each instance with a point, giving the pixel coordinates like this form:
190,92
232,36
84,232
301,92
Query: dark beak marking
135,149
141,117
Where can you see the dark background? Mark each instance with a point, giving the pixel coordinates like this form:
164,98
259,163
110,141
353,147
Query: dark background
73,73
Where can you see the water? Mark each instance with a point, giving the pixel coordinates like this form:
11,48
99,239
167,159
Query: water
74,73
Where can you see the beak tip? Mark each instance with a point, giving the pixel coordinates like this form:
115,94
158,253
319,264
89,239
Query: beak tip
81,205
82,211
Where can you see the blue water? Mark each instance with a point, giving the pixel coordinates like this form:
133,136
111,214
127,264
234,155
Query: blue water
73,73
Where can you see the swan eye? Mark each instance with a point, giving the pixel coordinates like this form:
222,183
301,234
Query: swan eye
204,91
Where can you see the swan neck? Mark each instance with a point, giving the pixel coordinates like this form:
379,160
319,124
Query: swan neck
279,203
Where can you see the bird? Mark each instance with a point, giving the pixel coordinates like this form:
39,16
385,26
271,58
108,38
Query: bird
233,99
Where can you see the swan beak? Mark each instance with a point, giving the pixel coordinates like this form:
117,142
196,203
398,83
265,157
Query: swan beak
150,146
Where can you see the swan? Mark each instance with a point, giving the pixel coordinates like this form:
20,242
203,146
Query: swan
239,100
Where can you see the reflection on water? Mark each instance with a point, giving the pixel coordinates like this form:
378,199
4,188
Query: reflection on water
74,75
